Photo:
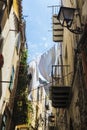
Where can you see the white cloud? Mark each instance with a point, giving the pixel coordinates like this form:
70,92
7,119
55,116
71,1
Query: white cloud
44,38
46,45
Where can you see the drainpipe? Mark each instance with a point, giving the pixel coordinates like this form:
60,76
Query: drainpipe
84,64
61,65
81,47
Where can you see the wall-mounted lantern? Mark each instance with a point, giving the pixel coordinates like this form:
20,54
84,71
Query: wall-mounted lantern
66,17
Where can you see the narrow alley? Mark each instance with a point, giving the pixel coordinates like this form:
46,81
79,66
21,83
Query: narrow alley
50,91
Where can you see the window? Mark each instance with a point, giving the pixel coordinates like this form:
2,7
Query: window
18,42
66,56
3,13
4,120
2,5
11,79
9,5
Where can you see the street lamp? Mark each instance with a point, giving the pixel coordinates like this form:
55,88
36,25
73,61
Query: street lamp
66,17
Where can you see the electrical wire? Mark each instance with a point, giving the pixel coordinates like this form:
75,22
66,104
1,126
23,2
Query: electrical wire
27,92
52,82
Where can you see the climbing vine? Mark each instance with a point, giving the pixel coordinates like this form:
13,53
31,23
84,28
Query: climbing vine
22,106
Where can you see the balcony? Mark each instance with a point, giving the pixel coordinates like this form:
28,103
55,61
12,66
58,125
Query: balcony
57,30
61,96
60,92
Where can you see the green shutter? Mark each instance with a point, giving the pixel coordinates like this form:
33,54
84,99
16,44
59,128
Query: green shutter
11,79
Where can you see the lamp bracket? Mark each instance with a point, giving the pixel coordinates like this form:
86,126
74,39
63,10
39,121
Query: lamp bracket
78,30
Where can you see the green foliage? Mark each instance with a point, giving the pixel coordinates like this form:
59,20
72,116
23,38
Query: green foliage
21,104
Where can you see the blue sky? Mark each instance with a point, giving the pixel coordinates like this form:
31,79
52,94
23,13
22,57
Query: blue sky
38,23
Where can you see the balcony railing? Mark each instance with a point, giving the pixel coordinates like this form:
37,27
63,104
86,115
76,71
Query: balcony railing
60,93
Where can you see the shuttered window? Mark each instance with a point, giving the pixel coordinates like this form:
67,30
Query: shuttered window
11,79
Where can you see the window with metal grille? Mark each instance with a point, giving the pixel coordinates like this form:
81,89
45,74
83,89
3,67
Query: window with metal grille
4,120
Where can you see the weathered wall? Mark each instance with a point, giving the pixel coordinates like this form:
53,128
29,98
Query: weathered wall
76,113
